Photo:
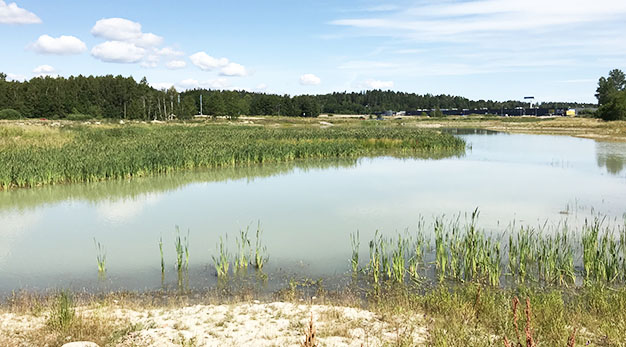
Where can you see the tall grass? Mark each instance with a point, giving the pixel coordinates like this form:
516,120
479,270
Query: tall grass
546,255
88,154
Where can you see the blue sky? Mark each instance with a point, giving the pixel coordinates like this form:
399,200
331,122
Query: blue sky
485,49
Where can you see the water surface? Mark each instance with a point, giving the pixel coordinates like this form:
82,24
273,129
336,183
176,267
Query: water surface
307,209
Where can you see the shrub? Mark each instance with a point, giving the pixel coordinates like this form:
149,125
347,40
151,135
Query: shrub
9,113
78,116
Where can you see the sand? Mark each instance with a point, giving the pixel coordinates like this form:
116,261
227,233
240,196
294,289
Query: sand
244,324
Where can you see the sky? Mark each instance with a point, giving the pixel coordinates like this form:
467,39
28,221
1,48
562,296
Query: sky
554,50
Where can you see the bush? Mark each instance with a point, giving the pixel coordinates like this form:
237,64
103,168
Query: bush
9,113
78,116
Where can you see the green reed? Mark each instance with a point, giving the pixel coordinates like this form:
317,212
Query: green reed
419,249
243,249
87,154
162,258
544,254
182,250
375,258
101,257
260,251
354,260
222,260
398,260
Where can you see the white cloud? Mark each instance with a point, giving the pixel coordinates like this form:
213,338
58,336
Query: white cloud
162,85
309,80
12,14
120,29
62,45
261,87
118,52
169,52
44,70
176,64
15,77
497,33
376,84
150,62
190,83
233,69
207,62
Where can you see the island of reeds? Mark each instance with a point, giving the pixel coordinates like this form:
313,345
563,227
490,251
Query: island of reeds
32,156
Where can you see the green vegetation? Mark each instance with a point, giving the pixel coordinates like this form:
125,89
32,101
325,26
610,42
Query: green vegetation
101,257
260,251
544,256
9,113
611,94
86,154
63,312
243,249
221,262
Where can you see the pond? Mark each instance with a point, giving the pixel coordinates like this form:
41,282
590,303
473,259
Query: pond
307,210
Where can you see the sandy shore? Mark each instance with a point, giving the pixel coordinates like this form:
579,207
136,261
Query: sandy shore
245,324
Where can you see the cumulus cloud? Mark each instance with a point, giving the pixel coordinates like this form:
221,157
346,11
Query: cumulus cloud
12,14
227,68
169,52
62,45
15,77
176,64
207,62
376,84
261,87
44,70
120,29
309,80
118,52
150,62
233,69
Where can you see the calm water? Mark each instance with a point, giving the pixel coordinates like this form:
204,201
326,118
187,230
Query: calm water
307,210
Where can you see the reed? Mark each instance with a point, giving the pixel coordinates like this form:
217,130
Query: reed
162,258
87,154
260,251
101,257
222,260
182,250
398,260
243,249
375,258
545,255
354,260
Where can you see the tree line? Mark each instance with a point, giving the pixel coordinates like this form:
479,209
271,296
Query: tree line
83,97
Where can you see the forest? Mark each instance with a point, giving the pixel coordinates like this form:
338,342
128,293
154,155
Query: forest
85,97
